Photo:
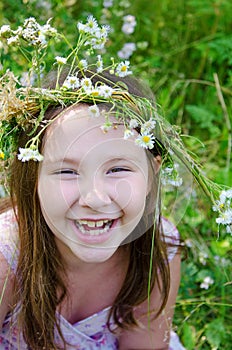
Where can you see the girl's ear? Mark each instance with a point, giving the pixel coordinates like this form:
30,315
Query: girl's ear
157,163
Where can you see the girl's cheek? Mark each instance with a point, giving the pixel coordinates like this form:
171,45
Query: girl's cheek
122,192
130,193
68,192
54,194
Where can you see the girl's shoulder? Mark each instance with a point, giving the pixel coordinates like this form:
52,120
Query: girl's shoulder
8,224
170,230
9,237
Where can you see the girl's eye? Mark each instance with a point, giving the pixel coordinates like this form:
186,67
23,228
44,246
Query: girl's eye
117,170
66,172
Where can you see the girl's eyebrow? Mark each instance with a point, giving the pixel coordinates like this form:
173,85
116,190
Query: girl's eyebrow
131,158
60,161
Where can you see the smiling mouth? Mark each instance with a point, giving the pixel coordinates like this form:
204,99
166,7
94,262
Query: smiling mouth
94,228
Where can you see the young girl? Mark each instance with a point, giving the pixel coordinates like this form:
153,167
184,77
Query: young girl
89,195
87,260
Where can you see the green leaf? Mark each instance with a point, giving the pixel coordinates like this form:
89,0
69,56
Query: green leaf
188,337
204,118
222,247
215,333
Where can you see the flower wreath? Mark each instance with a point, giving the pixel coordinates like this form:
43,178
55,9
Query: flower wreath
23,104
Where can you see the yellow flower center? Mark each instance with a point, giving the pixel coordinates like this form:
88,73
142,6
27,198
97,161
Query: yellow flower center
86,83
124,69
2,155
146,138
95,93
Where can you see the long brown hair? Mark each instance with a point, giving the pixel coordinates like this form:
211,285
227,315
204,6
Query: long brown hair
41,272
5,204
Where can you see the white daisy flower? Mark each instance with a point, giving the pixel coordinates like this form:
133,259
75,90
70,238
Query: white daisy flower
94,111
229,193
133,124
98,43
35,34
219,205
71,82
176,182
13,40
222,197
224,202
126,51
225,194
168,170
91,25
129,23
81,27
47,29
102,32
31,24
145,141
170,176
5,29
128,28
61,60
26,154
128,133
122,69
83,64
94,92
207,282
86,84
148,126
105,91
99,64
225,218
41,40
129,19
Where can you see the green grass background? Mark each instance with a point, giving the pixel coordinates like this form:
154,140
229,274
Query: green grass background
184,53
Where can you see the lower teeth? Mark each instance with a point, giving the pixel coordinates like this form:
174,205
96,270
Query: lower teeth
94,232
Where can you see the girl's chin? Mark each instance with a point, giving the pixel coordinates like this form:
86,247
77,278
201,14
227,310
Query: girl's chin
94,255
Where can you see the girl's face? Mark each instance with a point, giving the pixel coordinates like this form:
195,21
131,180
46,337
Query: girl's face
92,185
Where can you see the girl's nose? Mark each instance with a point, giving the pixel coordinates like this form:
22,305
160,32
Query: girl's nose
94,198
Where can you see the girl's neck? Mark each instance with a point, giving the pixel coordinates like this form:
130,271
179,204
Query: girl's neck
93,287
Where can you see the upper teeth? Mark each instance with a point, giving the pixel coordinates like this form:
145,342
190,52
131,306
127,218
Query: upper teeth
92,224
81,224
